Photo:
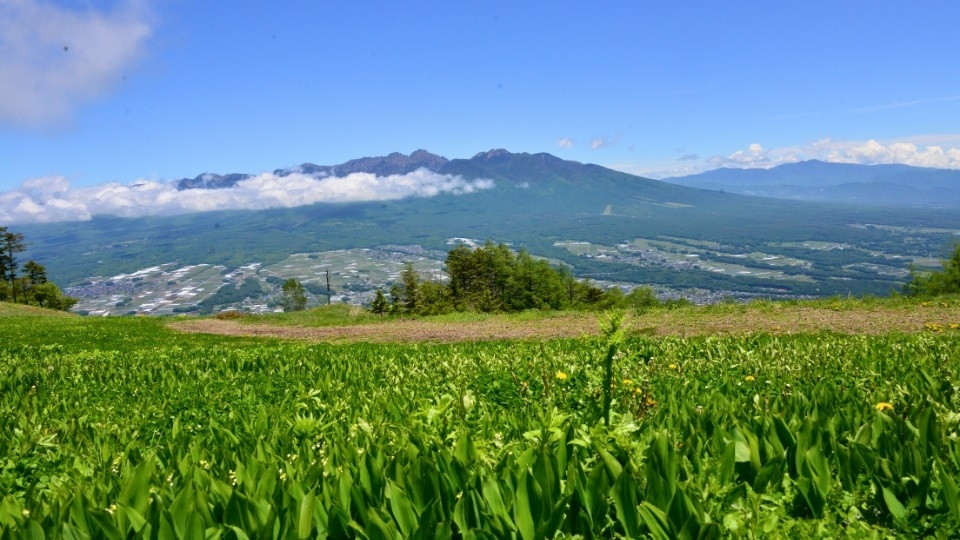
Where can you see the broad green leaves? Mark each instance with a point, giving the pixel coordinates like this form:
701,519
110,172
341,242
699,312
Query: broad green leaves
126,435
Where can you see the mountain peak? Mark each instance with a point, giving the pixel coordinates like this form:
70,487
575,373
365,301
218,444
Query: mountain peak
423,155
496,153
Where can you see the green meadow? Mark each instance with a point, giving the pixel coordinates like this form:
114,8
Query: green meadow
121,428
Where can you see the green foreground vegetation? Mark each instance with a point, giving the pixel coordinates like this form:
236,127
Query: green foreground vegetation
117,427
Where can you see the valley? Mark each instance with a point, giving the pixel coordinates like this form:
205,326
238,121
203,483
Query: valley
612,228
355,274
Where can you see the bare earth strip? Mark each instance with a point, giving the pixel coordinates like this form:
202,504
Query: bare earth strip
683,322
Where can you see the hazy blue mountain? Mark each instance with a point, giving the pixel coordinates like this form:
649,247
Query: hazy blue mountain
708,240
886,185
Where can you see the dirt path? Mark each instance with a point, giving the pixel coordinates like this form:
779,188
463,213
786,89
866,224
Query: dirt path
684,322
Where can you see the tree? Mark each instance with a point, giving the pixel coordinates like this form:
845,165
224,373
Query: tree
433,298
396,298
10,244
36,273
48,295
642,298
411,286
946,281
379,305
479,278
294,295
32,287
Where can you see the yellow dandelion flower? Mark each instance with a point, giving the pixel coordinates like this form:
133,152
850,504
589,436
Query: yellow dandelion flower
673,366
954,326
627,382
749,378
883,406
561,376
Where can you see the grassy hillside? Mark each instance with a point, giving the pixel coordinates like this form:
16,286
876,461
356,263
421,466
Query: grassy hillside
869,316
20,310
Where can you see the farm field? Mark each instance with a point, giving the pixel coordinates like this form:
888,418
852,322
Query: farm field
781,261
170,288
117,427
703,271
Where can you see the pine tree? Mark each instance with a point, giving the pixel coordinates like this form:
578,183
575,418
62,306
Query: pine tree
10,244
396,298
36,273
411,286
379,305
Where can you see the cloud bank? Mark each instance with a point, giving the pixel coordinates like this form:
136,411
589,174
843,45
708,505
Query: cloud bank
869,152
53,58
934,151
51,199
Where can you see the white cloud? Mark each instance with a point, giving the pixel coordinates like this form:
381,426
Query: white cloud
565,142
605,142
940,151
873,152
50,199
53,58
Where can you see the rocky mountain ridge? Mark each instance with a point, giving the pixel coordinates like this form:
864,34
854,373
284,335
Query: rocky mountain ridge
392,164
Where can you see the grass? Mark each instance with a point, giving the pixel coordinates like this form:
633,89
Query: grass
20,310
71,334
344,314
869,315
129,426
332,315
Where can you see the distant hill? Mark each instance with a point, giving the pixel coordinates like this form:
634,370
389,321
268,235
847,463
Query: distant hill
885,185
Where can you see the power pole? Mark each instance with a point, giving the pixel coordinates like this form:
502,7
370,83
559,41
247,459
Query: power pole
328,286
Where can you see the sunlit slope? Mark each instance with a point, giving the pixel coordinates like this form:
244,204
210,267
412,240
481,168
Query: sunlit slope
19,310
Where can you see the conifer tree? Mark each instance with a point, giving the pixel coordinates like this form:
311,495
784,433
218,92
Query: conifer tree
379,305
11,243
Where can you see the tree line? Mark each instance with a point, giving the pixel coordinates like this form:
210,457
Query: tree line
492,278
26,284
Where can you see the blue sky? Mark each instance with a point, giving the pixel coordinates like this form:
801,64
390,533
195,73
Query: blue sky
94,92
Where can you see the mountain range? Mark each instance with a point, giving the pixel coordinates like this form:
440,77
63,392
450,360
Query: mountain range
605,225
885,185
395,163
